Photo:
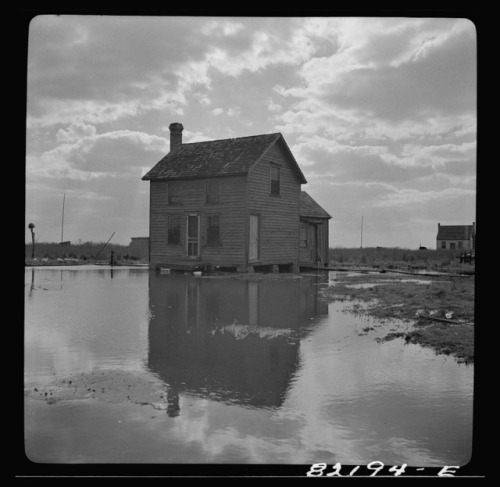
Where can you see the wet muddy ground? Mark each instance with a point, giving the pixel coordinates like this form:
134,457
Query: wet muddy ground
110,385
441,308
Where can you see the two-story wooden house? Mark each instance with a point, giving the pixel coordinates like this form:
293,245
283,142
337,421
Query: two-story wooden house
232,203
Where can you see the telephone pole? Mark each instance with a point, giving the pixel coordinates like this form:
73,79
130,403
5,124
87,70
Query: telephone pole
361,231
62,219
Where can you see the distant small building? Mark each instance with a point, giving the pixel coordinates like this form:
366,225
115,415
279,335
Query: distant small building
456,237
139,247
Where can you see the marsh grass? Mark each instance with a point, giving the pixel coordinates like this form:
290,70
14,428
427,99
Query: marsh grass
394,258
83,252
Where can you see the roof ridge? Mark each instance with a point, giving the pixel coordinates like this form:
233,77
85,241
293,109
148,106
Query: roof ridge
232,138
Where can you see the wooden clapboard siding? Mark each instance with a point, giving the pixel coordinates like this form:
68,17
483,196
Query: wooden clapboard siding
157,220
232,212
279,215
231,209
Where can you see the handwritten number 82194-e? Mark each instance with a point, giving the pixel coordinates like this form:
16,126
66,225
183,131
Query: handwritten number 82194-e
317,470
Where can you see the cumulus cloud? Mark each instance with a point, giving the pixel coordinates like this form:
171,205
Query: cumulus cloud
120,152
106,57
100,173
83,154
75,132
102,68
388,72
377,111
274,107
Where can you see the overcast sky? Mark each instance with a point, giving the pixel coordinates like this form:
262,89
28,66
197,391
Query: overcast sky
380,113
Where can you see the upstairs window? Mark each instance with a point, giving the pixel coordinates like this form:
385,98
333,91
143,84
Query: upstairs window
174,230
275,180
213,191
213,230
174,190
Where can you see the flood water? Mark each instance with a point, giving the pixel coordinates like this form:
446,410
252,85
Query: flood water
125,365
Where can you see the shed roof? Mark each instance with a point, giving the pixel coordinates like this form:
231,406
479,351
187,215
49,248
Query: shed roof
226,157
455,232
308,208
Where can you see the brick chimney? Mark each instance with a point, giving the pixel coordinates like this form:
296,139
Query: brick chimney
175,135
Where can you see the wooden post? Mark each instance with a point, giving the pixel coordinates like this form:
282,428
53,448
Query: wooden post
31,226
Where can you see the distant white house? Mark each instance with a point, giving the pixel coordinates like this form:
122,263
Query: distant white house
456,237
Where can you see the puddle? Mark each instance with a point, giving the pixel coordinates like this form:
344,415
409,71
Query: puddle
131,366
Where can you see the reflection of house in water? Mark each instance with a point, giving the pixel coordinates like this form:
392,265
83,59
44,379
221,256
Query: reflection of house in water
234,341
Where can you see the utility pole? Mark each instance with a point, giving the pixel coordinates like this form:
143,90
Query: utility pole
62,220
361,231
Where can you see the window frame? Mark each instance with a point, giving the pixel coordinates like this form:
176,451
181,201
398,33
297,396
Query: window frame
169,236
178,189
217,195
208,241
272,187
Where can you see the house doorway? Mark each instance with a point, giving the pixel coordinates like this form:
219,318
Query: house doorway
253,248
193,236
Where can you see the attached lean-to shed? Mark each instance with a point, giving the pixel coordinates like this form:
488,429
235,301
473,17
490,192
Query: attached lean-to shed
228,203
314,235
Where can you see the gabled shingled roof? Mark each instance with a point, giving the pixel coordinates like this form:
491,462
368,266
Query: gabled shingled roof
308,208
227,157
454,232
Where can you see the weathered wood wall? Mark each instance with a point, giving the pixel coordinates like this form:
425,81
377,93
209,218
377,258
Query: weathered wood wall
232,212
279,215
